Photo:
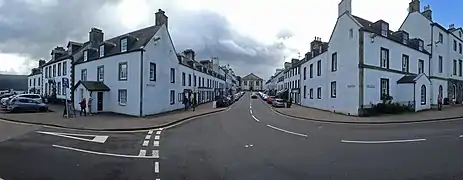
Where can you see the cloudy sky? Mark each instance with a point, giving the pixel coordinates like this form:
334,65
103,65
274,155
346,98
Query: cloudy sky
250,35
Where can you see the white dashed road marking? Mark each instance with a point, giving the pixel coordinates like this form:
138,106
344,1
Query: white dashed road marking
150,132
157,137
102,153
155,153
286,131
148,137
145,143
383,142
155,143
156,167
142,153
254,117
158,132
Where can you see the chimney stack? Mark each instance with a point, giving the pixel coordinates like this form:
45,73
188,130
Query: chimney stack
451,27
41,62
161,18
344,6
95,36
427,12
414,6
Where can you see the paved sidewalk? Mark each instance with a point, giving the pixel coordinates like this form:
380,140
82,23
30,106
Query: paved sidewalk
325,116
108,121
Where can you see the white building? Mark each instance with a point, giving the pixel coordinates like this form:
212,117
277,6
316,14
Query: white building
362,62
445,44
59,68
140,73
251,82
35,80
292,80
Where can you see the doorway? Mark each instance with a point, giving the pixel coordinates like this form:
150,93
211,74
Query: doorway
100,101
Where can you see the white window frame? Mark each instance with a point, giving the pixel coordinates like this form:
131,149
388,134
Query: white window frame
152,71
172,75
123,44
384,58
102,50
333,89
122,97
440,65
423,94
334,62
123,71
319,93
384,29
172,97
405,63
65,64
85,55
351,33
83,75
100,73
384,87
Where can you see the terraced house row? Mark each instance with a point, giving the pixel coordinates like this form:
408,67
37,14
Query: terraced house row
364,62
138,73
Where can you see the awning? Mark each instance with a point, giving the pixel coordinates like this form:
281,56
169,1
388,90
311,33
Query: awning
93,85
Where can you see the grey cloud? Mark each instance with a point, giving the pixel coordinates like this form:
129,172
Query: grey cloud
33,29
285,34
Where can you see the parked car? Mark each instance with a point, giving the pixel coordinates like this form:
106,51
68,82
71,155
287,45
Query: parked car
270,99
278,103
253,96
4,101
222,101
36,97
22,104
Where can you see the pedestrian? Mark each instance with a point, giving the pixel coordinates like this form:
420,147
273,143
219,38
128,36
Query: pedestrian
439,102
193,102
83,106
90,99
185,102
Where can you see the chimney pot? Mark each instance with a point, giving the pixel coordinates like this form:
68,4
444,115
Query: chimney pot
161,18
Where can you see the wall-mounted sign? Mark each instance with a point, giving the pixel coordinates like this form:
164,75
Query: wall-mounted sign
370,86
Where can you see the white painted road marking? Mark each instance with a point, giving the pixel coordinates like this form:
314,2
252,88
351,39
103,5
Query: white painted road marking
250,111
461,136
148,137
286,131
96,138
145,143
155,153
155,143
158,132
102,153
150,132
254,117
380,142
142,153
156,167
157,137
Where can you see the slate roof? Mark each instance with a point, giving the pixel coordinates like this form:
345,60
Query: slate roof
407,79
93,85
136,40
251,76
15,82
368,26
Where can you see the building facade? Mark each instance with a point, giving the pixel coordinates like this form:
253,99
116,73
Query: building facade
364,63
140,73
251,82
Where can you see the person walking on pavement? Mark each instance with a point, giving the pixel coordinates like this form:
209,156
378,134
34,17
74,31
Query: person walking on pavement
185,102
193,102
439,102
83,106
90,99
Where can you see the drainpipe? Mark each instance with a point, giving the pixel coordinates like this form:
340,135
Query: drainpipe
141,82
429,63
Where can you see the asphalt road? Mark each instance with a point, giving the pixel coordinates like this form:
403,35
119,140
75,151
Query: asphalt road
247,142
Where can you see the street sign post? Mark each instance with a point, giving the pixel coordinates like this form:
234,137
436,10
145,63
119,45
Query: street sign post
65,82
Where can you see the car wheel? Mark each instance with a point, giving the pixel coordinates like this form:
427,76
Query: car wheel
43,109
15,110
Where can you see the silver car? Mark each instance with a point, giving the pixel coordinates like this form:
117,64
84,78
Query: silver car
278,103
21,104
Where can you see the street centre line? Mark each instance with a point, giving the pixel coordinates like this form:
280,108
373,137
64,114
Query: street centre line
158,132
102,153
461,136
148,137
157,137
286,131
383,142
255,118
145,143
250,111
142,153
150,132
155,143
156,167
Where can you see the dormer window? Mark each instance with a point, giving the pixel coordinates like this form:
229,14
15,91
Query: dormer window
85,55
101,50
404,38
420,45
384,29
124,45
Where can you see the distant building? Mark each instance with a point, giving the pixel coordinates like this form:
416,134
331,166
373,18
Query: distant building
252,82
